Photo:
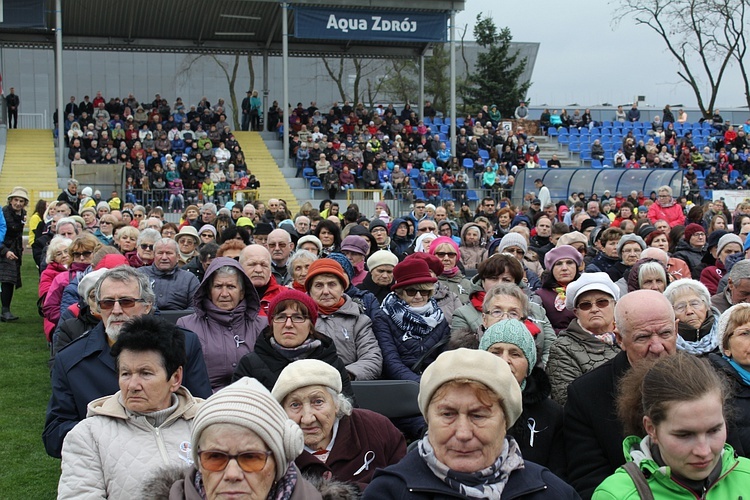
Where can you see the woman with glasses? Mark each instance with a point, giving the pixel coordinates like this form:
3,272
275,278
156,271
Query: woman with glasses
698,319
447,251
105,231
142,427
143,255
667,208
691,249
289,336
589,340
226,318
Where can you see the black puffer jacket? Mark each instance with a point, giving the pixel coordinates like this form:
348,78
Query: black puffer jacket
266,363
692,256
739,426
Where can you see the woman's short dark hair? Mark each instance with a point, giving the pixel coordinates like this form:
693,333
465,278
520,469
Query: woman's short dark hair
332,228
149,333
232,232
498,264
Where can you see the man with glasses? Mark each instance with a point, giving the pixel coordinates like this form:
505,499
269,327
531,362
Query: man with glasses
85,370
419,211
174,287
645,329
281,246
487,209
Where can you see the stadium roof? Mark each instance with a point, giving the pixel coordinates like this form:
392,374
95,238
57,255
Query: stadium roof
216,26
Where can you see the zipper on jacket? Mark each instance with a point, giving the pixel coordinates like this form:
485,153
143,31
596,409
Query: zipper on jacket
162,448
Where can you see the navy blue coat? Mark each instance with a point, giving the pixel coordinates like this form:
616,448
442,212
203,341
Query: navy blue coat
398,356
411,479
85,370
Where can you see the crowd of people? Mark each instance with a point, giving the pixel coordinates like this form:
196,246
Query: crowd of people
219,354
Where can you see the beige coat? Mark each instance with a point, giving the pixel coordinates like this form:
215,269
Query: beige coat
108,454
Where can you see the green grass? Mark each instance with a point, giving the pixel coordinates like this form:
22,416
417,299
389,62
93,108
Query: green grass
25,469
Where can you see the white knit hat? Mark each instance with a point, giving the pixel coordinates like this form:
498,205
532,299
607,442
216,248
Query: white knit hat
513,240
304,373
381,258
721,331
475,365
247,403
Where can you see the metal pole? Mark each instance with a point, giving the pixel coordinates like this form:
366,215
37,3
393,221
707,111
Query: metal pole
421,85
285,71
453,83
59,82
265,88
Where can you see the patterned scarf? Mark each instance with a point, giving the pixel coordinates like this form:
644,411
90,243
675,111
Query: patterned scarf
302,351
486,483
705,345
412,322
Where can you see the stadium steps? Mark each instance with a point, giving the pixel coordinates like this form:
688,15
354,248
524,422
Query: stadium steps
30,162
261,163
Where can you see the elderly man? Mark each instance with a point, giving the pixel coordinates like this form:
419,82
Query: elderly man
257,263
594,211
207,216
154,223
85,371
302,225
273,207
281,246
174,287
645,329
249,212
737,290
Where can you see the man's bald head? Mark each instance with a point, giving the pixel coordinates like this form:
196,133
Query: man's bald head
645,325
655,253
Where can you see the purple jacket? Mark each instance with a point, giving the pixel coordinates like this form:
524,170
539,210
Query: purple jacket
225,336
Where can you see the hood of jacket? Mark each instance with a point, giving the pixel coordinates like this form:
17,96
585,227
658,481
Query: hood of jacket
482,236
202,300
110,406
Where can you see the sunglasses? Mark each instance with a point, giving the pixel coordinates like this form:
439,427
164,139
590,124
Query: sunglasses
600,304
442,255
85,255
249,461
411,292
125,303
425,229
146,247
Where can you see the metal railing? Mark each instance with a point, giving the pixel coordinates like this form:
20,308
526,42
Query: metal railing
33,120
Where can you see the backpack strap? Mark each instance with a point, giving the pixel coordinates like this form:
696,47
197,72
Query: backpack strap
641,485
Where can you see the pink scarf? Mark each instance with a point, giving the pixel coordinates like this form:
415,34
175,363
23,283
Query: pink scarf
449,273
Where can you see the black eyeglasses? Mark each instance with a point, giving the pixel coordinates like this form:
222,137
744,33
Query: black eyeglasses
296,318
146,247
600,304
411,292
85,255
125,303
249,461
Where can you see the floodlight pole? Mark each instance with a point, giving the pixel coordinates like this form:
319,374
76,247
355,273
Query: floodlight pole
59,82
265,88
421,85
285,70
453,83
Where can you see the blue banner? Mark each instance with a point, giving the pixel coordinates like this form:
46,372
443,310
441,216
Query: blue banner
372,25
22,14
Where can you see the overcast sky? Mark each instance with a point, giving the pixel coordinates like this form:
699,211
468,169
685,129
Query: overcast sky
583,58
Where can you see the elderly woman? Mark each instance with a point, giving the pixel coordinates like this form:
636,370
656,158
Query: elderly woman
290,336
242,446
105,231
447,251
729,244
329,235
226,318
516,244
340,442
472,247
57,260
691,249
447,301
342,320
410,327
126,239
589,340
562,268
145,425
143,255
424,242
310,243
734,363
380,277
299,265
698,319
648,274
539,429
187,241
667,208
11,248
470,400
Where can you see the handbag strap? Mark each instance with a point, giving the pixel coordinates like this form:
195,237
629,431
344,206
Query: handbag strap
416,367
641,485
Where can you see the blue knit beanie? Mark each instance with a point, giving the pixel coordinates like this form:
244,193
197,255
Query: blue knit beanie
341,259
511,331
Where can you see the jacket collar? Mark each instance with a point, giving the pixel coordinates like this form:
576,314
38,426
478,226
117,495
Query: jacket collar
110,406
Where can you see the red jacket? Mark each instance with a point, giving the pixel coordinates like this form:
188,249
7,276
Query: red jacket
272,291
672,214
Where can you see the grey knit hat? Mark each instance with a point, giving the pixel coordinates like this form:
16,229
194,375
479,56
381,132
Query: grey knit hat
247,403
513,240
630,238
726,240
511,331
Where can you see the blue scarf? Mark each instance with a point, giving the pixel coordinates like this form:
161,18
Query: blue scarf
741,371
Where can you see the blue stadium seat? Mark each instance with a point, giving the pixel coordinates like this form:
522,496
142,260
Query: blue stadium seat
734,174
437,121
574,147
596,164
471,195
542,163
459,122
427,120
309,173
552,132
484,154
315,185
468,163
418,193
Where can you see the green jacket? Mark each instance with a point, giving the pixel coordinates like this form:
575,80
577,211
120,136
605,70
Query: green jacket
733,484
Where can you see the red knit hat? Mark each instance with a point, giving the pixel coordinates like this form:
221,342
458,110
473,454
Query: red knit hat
326,266
434,263
112,260
691,229
297,296
411,272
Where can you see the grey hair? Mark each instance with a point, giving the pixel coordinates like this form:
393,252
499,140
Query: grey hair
149,235
302,254
57,243
507,289
72,182
165,241
229,271
140,208
740,271
665,188
66,220
124,274
651,268
688,285
343,404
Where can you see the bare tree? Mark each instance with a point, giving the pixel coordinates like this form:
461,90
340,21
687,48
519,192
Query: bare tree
230,73
694,29
734,11
365,72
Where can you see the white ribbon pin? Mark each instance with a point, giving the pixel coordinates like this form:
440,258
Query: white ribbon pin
369,457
